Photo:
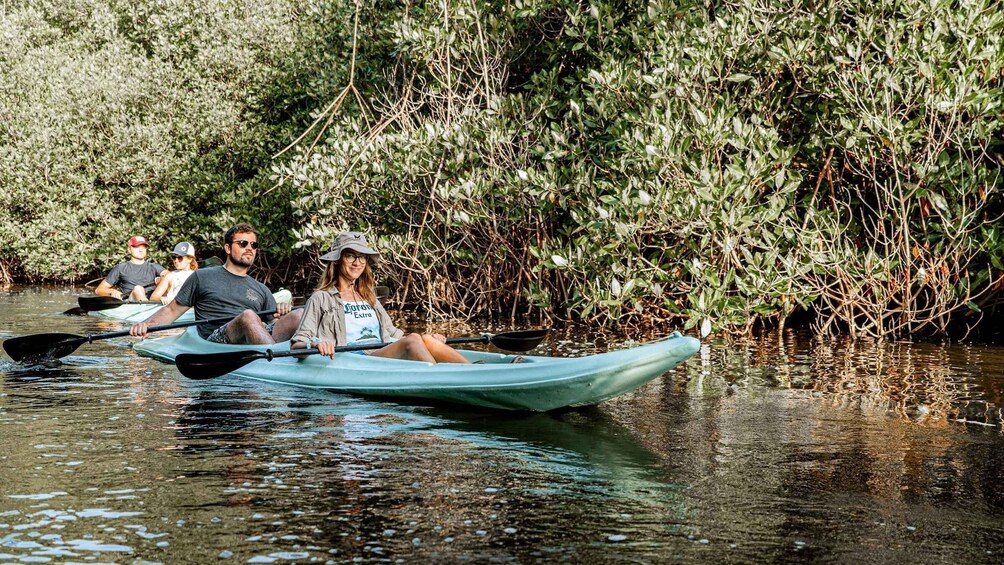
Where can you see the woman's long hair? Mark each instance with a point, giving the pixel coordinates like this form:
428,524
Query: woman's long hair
193,263
365,284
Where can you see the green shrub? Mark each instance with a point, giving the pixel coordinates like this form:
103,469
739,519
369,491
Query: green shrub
647,162
136,117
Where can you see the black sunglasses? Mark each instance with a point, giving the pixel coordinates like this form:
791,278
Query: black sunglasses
244,243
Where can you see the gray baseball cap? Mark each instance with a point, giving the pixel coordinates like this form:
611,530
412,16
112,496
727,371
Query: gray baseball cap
350,240
184,249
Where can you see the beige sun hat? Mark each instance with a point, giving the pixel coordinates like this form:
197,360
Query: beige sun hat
350,240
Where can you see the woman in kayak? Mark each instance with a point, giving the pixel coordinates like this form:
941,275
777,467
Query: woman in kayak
344,310
185,264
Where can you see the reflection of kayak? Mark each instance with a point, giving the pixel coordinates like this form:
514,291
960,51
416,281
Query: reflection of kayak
139,311
539,384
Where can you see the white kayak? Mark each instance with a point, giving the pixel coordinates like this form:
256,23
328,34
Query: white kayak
538,384
138,311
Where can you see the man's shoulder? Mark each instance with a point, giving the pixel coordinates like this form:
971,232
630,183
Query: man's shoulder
208,272
116,271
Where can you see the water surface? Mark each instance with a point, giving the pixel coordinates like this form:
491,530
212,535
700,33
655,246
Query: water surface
781,448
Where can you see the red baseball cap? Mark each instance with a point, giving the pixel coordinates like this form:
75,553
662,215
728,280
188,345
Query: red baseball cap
137,240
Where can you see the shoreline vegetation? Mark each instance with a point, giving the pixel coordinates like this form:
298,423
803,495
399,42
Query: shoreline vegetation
716,165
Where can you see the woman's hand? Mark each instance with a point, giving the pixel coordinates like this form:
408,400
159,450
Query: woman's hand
326,348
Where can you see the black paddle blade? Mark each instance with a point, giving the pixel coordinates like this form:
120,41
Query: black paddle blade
75,311
96,303
34,349
523,340
209,366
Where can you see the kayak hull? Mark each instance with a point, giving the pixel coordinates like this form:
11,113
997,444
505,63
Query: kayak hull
538,384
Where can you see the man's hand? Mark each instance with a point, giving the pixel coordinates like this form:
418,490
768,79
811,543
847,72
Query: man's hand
140,330
439,337
165,315
326,347
282,309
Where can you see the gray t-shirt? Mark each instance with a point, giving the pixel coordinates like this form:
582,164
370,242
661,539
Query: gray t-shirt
216,293
129,275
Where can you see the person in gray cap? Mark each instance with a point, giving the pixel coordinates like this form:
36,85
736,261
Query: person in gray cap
344,309
185,264
135,278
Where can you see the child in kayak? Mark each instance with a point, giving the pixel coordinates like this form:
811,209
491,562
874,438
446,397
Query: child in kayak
185,264
344,310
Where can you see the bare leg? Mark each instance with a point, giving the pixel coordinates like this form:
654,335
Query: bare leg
441,352
247,328
410,347
138,294
285,326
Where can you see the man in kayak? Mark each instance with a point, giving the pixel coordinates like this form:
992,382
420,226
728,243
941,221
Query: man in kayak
135,278
218,292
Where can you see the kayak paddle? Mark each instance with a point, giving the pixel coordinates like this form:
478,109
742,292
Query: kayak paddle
35,348
98,303
202,366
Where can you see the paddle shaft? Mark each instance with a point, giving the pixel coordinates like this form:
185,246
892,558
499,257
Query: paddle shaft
200,366
269,354
152,329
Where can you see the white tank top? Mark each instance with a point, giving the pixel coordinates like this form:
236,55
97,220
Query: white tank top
361,323
176,278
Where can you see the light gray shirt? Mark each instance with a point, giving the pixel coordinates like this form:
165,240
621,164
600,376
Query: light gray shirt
324,319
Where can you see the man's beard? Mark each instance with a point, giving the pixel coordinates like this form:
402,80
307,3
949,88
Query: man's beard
238,260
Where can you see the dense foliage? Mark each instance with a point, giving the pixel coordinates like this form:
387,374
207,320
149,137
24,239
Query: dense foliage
120,117
646,161
725,163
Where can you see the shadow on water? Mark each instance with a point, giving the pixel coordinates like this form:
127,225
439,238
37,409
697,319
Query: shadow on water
55,384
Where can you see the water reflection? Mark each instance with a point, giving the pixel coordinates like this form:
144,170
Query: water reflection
933,384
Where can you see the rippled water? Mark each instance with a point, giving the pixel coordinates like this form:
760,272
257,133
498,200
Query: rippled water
783,448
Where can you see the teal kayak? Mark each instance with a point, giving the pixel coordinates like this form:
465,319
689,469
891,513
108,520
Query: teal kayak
138,311
538,384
